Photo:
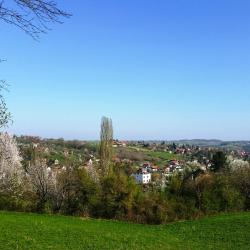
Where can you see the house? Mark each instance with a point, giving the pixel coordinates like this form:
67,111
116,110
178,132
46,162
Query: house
65,152
146,167
46,150
116,159
142,177
154,168
178,169
117,143
174,167
167,171
34,145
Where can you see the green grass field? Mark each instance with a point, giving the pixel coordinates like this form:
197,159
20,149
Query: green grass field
165,155
32,231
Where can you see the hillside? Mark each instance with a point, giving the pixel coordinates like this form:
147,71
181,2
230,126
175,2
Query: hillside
32,231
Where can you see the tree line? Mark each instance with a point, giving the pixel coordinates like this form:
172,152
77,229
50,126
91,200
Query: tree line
105,190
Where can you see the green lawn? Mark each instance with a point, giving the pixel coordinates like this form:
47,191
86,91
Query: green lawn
164,156
32,231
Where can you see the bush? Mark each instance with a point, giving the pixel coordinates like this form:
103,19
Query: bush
221,195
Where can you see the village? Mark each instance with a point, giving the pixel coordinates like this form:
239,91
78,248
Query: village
149,163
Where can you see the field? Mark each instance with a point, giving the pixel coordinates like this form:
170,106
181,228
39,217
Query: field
155,157
32,231
165,156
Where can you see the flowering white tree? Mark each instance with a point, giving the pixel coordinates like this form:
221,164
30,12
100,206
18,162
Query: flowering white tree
241,176
40,178
237,164
47,183
10,160
91,170
57,189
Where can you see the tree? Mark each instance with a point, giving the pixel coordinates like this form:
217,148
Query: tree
10,160
240,177
220,194
11,173
237,164
5,116
40,179
31,16
80,193
116,196
91,171
106,141
219,161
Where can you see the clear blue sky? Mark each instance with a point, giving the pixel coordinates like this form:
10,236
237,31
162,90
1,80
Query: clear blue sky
160,69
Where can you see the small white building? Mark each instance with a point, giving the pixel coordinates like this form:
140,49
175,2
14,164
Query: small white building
142,177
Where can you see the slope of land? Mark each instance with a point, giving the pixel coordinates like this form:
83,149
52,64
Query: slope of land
32,231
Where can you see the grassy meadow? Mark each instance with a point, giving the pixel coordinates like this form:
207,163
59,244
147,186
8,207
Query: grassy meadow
164,156
35,231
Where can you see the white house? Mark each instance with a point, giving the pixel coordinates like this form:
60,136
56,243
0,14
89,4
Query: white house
142,177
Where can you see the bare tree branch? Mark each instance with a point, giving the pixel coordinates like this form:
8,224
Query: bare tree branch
31,16
5,116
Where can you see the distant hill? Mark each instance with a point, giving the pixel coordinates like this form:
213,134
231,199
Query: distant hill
199,142
233,145
230,145
33,231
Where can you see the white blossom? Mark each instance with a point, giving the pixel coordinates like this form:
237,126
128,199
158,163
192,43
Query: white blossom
237,164
10,160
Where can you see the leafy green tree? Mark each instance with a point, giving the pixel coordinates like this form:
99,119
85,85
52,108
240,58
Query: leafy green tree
219,161
240,178
79,192
116,196
221,195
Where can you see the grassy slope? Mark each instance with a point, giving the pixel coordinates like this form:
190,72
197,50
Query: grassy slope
31,231
160,157
165,155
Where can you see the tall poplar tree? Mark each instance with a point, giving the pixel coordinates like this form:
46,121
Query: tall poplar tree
106,141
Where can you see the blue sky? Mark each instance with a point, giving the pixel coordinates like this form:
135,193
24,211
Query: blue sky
159,69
